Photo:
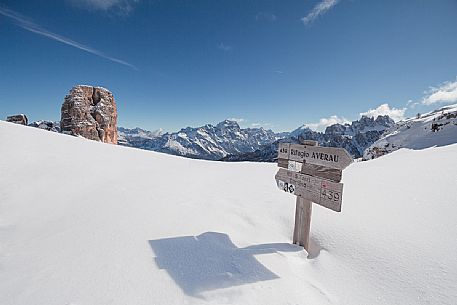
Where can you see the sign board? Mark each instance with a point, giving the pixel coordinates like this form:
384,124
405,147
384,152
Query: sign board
331,157
283,151
312,173
312,169
321,191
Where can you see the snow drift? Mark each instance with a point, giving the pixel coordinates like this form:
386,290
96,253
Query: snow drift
83,222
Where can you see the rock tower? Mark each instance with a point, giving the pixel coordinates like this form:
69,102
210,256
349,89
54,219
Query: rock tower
90,112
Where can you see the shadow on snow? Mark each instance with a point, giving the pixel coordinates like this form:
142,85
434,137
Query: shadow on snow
211,261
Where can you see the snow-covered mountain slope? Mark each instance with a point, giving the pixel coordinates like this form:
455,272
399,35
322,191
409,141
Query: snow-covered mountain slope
206,142
436,128
139,133
83,222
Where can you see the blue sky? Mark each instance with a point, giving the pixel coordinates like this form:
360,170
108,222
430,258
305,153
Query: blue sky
277,64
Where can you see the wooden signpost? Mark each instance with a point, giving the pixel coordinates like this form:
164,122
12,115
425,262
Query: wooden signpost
312,173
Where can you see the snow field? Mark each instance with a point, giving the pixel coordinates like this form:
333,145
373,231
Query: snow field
83,222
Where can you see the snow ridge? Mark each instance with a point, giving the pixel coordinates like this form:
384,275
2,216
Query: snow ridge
437,128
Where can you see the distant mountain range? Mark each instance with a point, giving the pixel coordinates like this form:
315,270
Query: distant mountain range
354,137
206,142
367,137
228,142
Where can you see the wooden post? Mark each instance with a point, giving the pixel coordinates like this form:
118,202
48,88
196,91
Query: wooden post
302,227
303,210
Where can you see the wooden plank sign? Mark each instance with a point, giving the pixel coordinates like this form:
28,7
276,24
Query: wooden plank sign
312,169
283,151
331,157
312,173
321,191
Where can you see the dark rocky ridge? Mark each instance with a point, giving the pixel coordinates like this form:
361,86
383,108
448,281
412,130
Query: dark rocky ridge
46,125
18,119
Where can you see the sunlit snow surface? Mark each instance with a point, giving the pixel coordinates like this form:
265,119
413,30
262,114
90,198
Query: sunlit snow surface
86,223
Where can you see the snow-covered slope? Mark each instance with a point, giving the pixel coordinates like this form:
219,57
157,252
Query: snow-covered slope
83,222
436,128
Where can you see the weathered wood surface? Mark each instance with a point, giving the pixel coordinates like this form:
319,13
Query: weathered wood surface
297,152
284,163
309,142
332,157
302,226
324,192
312,169
322,171
283,151
328,156
303,208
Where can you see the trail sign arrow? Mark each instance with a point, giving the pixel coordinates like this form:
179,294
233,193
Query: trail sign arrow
321,191
332,157
329,173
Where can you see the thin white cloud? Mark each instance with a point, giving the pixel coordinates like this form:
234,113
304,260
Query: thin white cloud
121,6
325,122
244,123
238,120
266,16
445,93
319,9
396,114
410,104
224,47
261,125
30,26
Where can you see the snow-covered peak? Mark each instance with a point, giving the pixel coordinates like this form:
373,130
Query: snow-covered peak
139,132
337,129
365,124
231,124
300,130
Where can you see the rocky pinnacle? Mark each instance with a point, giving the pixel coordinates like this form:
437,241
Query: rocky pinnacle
90,112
